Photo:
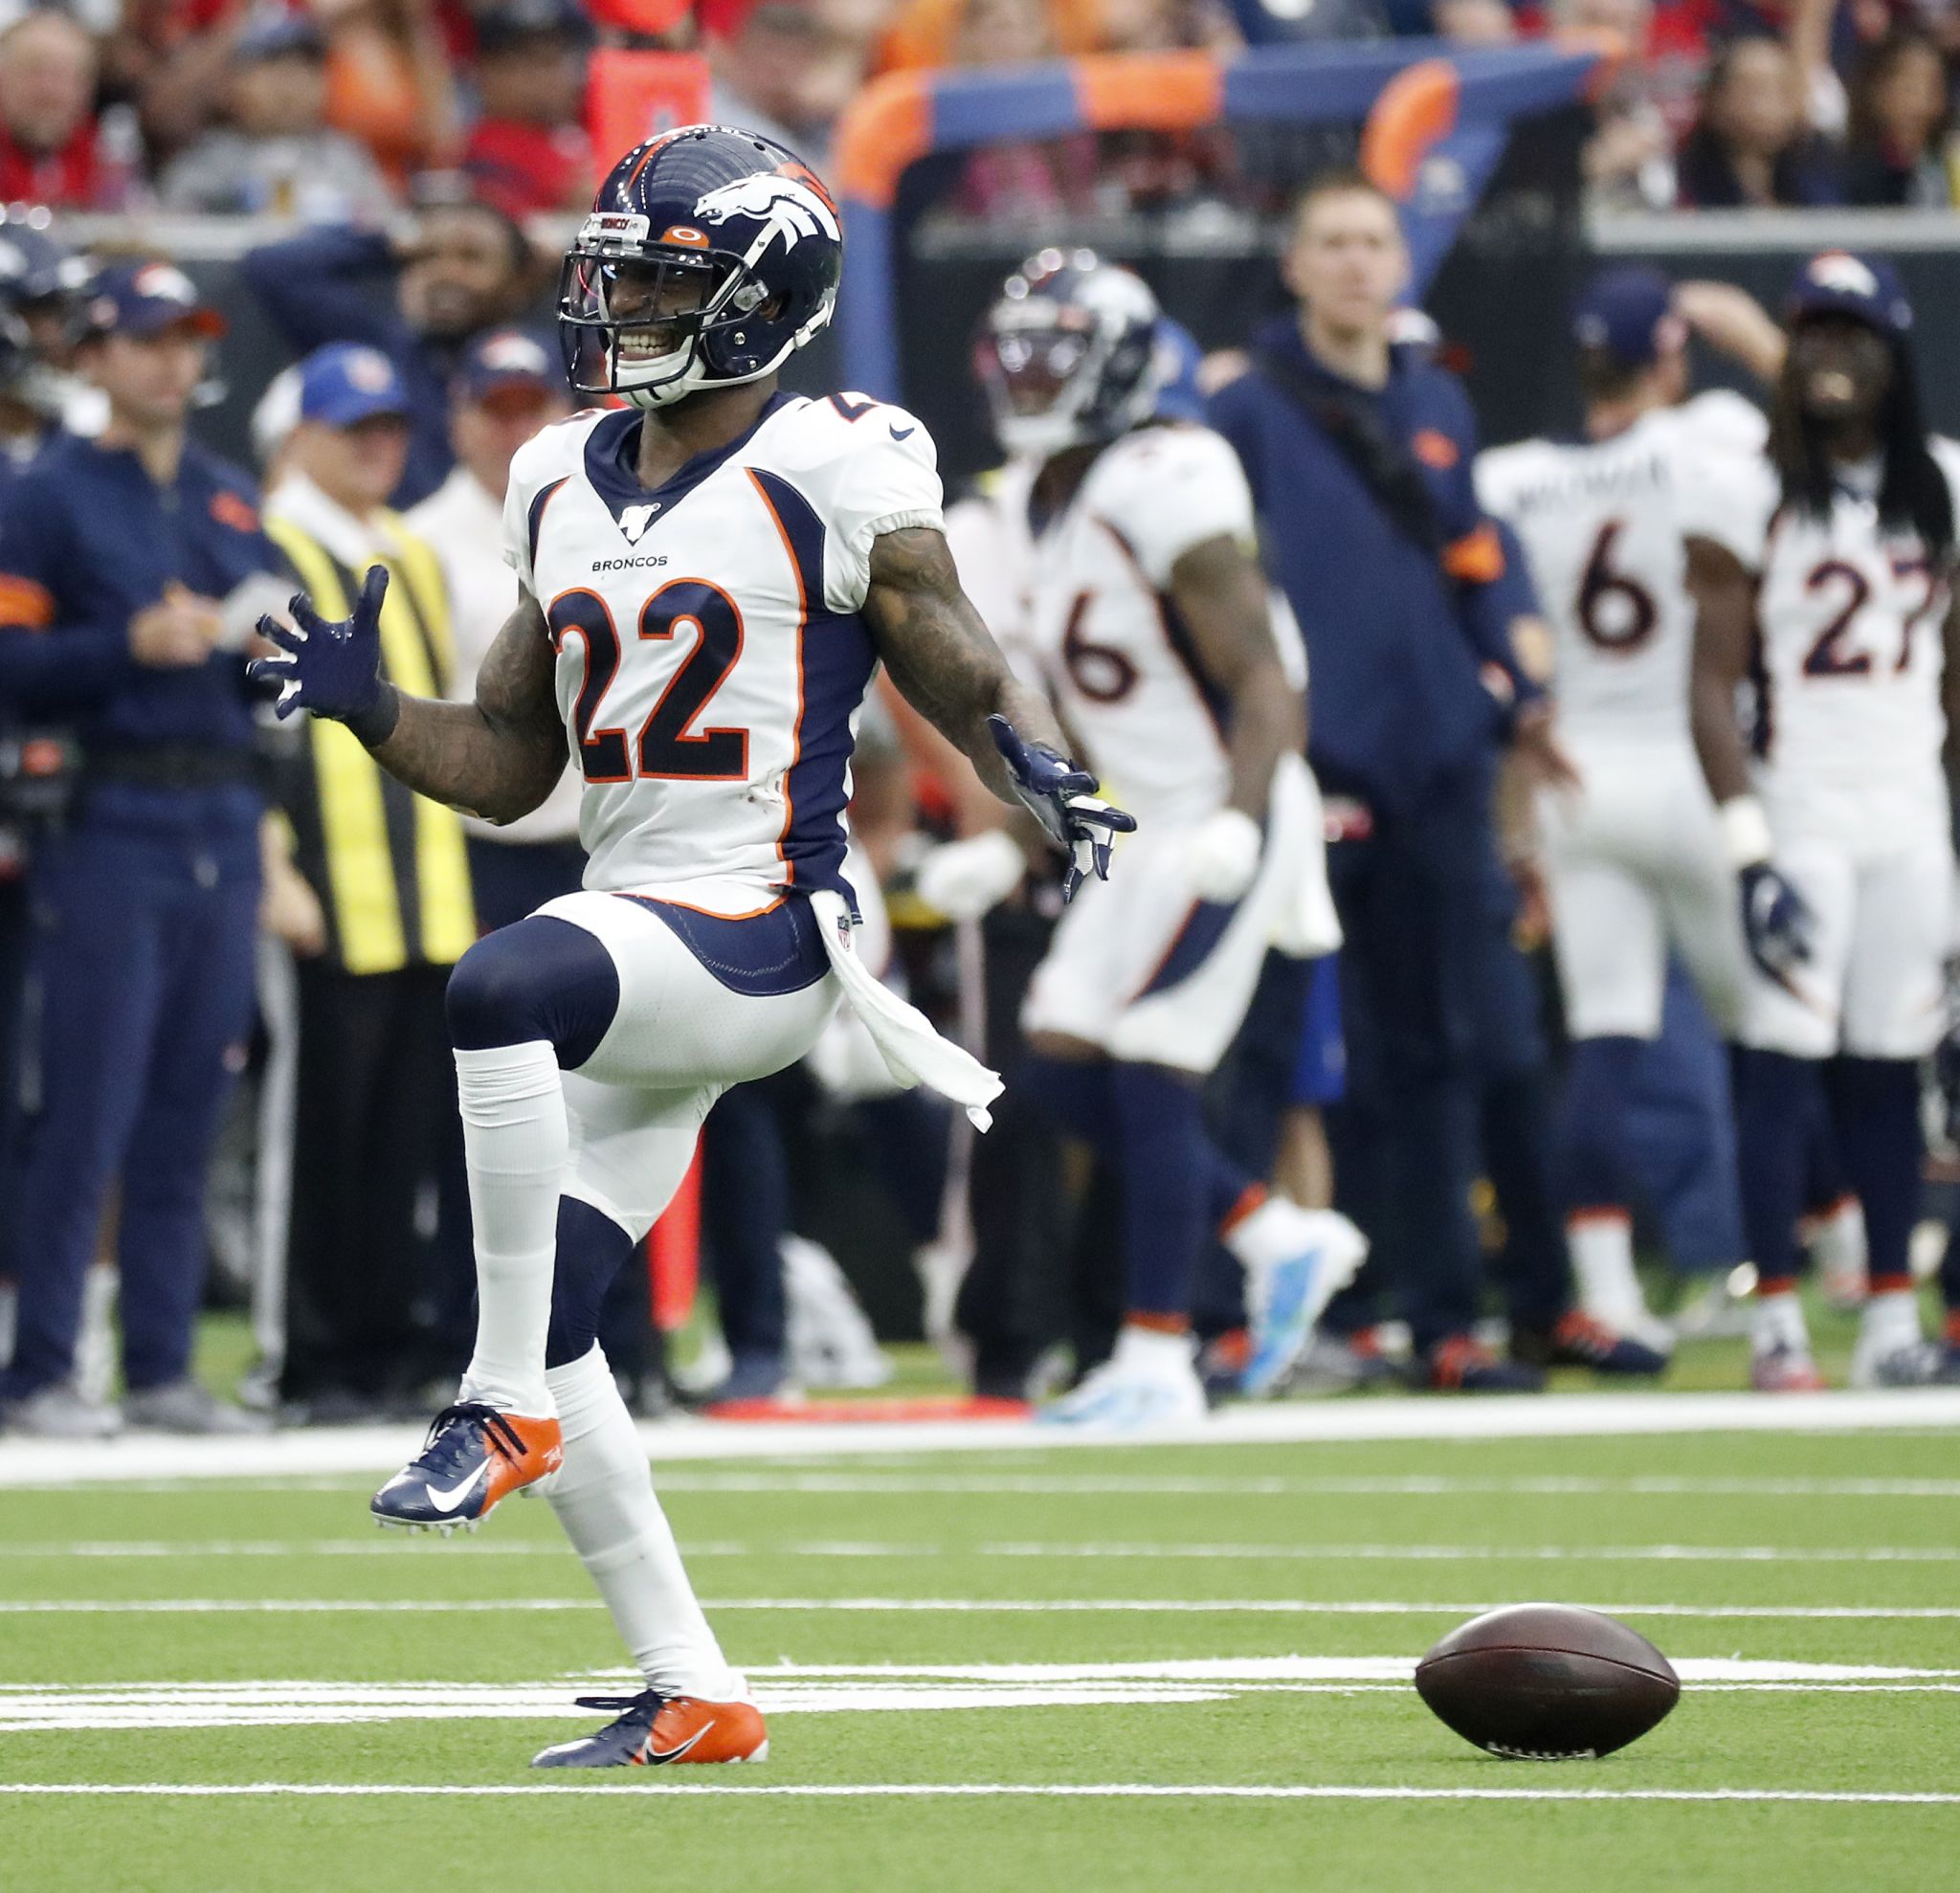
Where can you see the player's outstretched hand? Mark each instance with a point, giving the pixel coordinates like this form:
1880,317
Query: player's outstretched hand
1776,922
1062,798
332,669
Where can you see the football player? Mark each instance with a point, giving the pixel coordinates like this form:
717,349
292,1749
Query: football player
707,576
1634,865
1832,564
1152,615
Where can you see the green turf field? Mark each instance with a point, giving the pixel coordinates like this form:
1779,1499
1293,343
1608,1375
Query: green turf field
1009,1625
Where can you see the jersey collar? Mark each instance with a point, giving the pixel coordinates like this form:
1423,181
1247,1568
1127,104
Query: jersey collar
612,452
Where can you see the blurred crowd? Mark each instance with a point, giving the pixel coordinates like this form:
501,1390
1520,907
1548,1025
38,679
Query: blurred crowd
331,109
327,930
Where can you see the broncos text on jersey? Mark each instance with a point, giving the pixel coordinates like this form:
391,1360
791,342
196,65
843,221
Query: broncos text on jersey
711,652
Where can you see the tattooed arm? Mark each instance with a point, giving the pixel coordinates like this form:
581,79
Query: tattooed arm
497,757
942,656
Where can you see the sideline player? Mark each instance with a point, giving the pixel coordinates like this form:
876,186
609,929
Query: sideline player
1634,858
1833,562
1151,617
707,580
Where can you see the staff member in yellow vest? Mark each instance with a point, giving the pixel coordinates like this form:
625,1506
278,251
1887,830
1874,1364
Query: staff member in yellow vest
375,1088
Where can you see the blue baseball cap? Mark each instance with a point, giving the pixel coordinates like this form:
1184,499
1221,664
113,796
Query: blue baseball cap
1836,283
509,358
145,299
1628,313
347,383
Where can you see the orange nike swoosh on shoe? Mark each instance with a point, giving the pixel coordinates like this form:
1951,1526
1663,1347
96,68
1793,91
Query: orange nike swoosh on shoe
690,1730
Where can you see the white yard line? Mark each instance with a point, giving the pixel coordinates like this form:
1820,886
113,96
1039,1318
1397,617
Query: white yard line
57,1710
914,1482
379,1450
382,1545
949,1606
665,1785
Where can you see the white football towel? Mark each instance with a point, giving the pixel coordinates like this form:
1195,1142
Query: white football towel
913,1052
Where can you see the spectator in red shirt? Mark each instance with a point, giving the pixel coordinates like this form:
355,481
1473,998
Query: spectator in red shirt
49,149
528,150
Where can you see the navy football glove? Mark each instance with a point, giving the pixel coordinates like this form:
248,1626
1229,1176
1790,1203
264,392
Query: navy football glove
334,670
1062,798
1776,920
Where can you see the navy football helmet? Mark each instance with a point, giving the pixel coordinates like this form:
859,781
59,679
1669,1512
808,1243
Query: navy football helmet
1069,354
710,255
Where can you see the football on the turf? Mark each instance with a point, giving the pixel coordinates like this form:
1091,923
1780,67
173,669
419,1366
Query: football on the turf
1547,1683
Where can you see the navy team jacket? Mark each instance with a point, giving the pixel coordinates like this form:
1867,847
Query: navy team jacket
1412,671
87,540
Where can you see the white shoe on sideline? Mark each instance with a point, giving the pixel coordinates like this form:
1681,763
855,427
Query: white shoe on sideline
1125,1397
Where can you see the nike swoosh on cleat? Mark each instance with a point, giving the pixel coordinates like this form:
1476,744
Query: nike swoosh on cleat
448,1501
659,1755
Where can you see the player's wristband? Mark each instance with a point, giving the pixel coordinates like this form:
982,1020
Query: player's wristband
375,724
1745,830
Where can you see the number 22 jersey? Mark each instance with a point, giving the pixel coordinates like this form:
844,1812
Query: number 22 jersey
711,652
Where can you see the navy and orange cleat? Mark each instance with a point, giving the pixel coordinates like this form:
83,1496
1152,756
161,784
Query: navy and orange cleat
653,1731
474,1457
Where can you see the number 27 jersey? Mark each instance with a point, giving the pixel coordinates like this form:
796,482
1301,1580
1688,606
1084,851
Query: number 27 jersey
711,652
1850,613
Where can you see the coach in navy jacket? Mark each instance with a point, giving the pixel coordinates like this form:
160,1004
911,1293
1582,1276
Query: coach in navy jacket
1359,454
131,567
418,295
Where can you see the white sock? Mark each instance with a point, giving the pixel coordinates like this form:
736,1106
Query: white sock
604,1499
1602,1250
1149,1350
515,1144
1891,1320
1779,1321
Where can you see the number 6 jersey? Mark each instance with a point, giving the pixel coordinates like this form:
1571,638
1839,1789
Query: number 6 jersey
1602,523
1118,656
711,652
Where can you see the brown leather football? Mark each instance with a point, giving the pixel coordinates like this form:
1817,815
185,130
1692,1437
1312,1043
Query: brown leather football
1547,1683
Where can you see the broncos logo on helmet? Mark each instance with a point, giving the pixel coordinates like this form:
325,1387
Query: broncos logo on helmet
711,254
789,208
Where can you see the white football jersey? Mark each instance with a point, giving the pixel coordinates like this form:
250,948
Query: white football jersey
1850,616
994,548
1118,659
711,653
1602,523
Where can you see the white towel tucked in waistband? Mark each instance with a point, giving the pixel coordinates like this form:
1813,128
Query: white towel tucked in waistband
914,1053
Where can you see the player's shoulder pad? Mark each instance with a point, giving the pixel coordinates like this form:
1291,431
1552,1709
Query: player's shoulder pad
555,450
1500,470
836,430
1721,418
1161,455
